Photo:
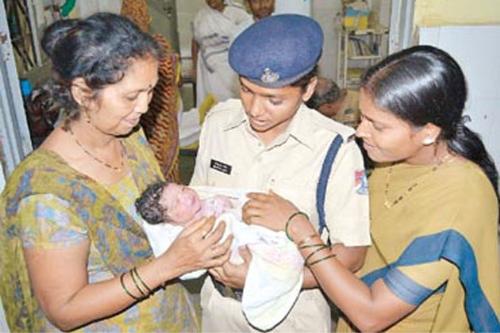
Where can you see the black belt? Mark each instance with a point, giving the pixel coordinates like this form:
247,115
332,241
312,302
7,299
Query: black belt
226,291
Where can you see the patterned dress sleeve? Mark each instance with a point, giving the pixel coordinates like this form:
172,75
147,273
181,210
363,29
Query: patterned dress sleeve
47,221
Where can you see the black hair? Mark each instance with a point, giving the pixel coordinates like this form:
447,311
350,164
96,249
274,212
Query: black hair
324,95
304,81
98,49
148,204
422,85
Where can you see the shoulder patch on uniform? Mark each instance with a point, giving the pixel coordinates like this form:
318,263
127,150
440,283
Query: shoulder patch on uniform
360,182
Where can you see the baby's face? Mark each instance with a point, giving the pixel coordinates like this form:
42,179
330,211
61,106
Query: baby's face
182,203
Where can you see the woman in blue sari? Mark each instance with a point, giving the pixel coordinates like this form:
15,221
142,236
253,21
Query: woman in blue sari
434,262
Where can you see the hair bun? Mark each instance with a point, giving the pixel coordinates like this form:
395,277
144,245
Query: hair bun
55,33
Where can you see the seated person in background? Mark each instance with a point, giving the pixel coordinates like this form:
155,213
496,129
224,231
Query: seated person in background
275,275
336,103
261,8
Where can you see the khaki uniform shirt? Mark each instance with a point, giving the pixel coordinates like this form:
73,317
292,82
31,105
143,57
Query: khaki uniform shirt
231,155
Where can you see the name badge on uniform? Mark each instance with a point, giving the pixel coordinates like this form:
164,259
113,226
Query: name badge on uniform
220,166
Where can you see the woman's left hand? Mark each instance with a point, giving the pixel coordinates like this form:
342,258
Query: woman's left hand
269,210
233,275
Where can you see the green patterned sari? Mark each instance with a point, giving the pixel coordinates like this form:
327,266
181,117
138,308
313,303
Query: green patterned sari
48,204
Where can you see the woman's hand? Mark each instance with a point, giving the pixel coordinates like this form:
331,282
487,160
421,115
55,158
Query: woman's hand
273,211
197,247
269,210
233,275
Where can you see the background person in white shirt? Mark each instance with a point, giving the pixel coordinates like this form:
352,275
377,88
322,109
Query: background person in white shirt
214,28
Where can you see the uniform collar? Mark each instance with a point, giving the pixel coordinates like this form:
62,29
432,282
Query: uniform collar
238,118
299,128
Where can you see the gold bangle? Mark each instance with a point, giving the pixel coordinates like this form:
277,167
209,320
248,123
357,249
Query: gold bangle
308,246
290,219
134,278
314,252
142,281
308,238
125,288
319,260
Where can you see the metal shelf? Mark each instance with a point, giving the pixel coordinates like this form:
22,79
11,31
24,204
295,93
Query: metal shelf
368,57
366,46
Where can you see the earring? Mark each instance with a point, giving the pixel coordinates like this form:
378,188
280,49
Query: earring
85,115
428,141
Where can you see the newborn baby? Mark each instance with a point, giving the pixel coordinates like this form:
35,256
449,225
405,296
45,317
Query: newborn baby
167,207
275,273
178,204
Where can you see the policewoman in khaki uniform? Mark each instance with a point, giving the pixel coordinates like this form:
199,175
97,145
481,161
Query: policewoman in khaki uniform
269,140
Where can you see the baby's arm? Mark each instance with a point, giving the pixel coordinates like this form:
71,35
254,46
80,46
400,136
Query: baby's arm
219,204
224,202
215,205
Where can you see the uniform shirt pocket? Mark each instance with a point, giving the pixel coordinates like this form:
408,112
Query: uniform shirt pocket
221,174
301,193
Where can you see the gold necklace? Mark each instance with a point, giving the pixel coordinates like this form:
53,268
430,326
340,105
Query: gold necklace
95,158
391,203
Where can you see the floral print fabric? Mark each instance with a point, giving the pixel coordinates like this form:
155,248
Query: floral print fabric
47,204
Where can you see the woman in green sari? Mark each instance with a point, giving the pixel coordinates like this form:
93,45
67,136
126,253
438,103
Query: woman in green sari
73,253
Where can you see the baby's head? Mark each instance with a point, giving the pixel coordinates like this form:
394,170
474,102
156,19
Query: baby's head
169,203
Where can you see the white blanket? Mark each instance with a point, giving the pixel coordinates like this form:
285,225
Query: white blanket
275,274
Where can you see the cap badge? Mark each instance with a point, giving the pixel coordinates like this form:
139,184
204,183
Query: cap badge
269,76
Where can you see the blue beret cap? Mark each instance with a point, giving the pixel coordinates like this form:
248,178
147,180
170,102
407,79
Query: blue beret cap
277,50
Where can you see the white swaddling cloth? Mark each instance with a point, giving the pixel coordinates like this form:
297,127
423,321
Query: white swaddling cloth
275,274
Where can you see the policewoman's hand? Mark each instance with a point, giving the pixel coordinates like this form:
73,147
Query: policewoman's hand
277,213
197,247
269,210
233,275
